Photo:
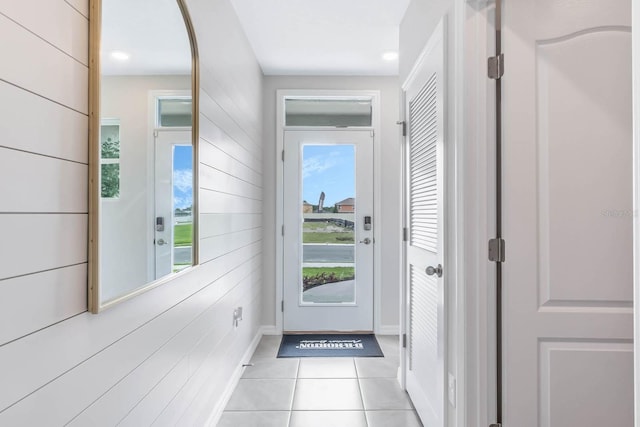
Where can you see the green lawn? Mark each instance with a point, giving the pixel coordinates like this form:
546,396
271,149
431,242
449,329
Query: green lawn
183,234
318,276
323,232
338,271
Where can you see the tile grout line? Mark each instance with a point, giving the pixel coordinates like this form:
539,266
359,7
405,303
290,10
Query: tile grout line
295,387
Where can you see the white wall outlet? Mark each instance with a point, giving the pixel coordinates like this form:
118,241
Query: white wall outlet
452,390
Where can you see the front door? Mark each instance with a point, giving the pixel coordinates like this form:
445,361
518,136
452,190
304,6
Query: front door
425,269
173,221
567,216
328,231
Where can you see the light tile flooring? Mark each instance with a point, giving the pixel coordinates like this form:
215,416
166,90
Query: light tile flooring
322,392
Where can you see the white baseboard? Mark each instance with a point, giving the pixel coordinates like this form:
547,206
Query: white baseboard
271,330
216,413
388,330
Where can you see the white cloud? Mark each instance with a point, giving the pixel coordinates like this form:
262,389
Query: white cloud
317,164
183,180
182,202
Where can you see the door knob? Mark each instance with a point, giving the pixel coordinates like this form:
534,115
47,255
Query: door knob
366,241
161,242
434,270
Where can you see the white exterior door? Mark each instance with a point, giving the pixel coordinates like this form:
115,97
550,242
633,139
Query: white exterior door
328,231
568,356
168,174
424,267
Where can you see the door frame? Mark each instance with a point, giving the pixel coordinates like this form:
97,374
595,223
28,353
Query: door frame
635,53
377,208
476,330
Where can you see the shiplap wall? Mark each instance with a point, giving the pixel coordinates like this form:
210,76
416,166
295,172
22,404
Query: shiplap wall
167,356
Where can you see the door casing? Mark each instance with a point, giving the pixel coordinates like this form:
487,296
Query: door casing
280,129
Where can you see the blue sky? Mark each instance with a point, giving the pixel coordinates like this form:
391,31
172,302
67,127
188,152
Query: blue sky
328,168
182,176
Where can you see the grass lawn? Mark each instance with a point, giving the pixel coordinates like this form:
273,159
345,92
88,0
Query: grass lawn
311,226
183,234
325,232
338,271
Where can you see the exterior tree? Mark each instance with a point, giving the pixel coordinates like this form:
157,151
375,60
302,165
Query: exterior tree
110,172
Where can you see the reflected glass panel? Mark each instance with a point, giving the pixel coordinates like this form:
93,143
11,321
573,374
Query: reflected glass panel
328,251
174,112
182,207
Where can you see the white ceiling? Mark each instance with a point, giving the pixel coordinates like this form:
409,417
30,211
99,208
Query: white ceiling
323,37
151,32
289,37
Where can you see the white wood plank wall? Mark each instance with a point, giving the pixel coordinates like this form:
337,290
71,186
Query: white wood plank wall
164,357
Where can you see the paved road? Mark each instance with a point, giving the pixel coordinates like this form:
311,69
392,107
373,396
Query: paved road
327,253
182,255
317,253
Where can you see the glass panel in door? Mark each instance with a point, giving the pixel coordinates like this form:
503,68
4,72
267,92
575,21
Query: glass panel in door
328,212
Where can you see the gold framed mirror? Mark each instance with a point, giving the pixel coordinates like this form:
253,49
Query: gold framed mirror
143,147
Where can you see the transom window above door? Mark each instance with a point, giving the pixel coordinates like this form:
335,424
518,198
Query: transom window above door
328,112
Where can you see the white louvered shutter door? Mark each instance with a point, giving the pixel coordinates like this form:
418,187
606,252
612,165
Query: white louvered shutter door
426,329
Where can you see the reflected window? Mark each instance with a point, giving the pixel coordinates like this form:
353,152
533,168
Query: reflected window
110,159
174,112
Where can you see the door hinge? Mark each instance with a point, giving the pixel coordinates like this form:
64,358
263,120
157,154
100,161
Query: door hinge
283,230
495,66
373,133
283,155
404,340
496,250
404,127
405,234
282,306
155,133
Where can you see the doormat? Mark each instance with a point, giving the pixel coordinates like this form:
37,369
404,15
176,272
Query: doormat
333,345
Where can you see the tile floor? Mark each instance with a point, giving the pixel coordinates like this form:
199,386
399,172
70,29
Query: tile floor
322,392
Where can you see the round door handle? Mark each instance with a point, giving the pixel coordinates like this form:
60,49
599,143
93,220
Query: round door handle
366,241
434,270
161,242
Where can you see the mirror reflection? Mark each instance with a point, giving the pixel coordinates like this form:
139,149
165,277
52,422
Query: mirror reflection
146,153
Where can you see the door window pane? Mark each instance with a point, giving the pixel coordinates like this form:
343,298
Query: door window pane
328,210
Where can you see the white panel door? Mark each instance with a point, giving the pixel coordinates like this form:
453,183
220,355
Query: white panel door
567,182
328,241
425,355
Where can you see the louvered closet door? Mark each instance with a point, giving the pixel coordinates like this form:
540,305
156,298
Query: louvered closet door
424,248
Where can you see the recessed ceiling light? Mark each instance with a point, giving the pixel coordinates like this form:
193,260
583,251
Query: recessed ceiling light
119,55
390,56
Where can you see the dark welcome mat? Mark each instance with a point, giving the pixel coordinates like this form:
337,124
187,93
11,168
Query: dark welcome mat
333,345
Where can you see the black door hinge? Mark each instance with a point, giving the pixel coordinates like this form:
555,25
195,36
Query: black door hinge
495,67
496,250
